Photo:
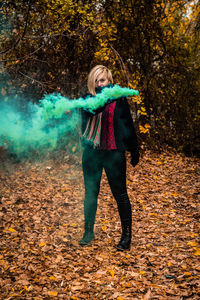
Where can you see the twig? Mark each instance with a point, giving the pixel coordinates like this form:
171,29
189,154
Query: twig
123,67
42,84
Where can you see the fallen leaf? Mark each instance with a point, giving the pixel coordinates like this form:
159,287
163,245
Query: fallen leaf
52,278
42,244
112,273
52,293
197,252
11,229
147,296
192,243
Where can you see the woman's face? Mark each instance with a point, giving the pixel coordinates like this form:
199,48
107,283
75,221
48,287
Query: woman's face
102,80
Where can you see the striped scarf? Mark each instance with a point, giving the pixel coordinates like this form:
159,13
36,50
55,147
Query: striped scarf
92,131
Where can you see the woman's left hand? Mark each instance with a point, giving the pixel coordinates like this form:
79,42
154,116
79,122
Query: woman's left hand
135,157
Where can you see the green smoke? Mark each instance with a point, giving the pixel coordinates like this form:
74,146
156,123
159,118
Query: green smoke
45,126
28,134
54,105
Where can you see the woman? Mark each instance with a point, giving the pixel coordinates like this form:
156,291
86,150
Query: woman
107,134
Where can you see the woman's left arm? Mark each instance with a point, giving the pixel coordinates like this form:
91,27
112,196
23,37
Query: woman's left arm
132,141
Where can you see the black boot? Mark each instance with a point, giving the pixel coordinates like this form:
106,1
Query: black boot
125,213
125,240
88,235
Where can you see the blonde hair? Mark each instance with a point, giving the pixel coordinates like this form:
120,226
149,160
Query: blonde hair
94,73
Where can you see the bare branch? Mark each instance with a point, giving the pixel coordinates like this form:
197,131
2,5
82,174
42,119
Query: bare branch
123,67
42,84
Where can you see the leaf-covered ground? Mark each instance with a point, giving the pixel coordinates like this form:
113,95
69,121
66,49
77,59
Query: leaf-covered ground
41,210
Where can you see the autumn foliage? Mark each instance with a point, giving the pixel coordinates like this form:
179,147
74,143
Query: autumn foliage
41,210
50,45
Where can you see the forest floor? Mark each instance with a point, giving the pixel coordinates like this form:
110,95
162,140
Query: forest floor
41,210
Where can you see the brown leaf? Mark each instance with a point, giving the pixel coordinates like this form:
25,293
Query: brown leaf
147,296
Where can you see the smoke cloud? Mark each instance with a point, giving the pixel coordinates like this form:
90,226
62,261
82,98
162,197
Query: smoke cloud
45,126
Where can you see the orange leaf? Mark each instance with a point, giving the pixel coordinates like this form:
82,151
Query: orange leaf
197,252
192,243
52,293
11,229
104,228
112,273
52,278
